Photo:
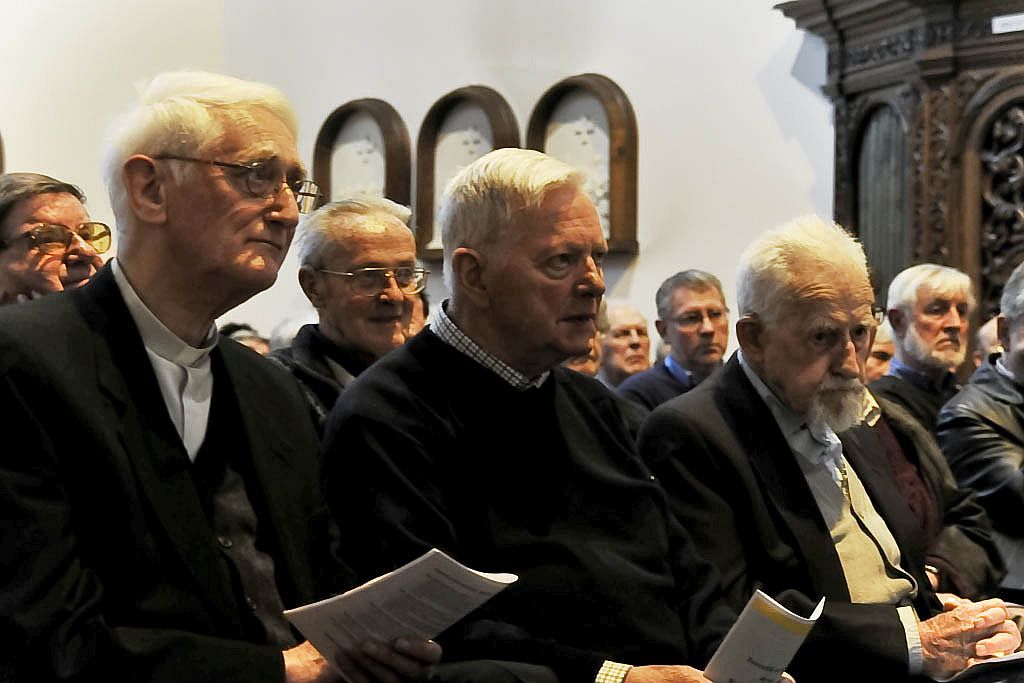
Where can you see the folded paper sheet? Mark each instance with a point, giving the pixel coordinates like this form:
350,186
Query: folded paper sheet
762,642
420,600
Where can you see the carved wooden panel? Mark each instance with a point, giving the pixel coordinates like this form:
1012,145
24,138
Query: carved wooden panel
462,126
368,139
588,122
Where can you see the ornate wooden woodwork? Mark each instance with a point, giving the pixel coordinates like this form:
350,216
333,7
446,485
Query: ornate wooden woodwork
957,87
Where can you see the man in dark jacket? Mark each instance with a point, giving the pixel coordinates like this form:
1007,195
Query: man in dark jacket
358,269
981,431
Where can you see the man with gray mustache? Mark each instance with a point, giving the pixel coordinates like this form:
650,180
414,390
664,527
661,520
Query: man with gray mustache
765,464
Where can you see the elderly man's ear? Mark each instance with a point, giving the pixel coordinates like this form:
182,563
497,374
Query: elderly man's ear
468,269
897,320
145,183
750,332
312,286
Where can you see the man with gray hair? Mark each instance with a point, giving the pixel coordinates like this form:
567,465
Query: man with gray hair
981,431
694,320
472,438
47,242
159,483
625,345
929,308
358,269
760,463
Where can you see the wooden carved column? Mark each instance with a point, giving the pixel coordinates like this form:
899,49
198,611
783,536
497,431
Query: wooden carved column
927,158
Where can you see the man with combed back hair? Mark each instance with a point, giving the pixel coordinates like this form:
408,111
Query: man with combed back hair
159,483
474,439
929,310
47,241
694,320
981,431
763,465
358,269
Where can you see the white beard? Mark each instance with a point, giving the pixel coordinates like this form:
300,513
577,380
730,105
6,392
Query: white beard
839,403
936,359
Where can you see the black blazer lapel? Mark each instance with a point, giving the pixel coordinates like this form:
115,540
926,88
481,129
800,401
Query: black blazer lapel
148,438
775,465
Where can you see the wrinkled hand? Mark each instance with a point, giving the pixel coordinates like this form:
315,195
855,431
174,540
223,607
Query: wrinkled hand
304,664
673,674
963,635
369,661
665,674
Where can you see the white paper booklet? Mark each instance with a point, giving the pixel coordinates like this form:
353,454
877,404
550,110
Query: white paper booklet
420,599
762,642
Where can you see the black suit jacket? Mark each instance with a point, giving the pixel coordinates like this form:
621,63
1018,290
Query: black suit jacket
734,483
109,566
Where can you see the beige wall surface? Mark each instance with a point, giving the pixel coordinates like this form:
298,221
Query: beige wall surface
735,136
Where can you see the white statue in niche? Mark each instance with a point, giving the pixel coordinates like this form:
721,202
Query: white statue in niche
357,162
464,136
577,133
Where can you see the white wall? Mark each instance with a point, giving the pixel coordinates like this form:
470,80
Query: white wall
731,141
71,66
735,136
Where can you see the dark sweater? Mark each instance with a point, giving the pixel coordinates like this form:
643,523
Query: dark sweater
923,404
653,386
429,449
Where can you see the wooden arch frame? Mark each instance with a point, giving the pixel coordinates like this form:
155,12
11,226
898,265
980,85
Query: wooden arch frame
505,132
622,152
978,115
397,161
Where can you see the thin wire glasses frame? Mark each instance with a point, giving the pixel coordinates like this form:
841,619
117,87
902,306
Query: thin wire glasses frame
54,238
373,281
263,178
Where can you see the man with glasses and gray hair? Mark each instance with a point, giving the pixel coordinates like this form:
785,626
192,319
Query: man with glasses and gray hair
358,269
159,483
47,242
694,320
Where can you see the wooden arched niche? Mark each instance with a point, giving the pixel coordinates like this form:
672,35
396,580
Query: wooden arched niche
588,122
363,149
460,127
880,170
990,164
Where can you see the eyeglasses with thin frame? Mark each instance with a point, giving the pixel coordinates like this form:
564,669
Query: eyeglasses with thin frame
695,319
264,177
878,313
373,281
53,238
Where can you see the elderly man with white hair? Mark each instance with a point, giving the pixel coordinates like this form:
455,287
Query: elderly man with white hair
760,463
158,483
474,439
929,307
358,269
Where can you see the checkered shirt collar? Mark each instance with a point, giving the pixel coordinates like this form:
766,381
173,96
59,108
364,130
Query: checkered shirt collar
448,332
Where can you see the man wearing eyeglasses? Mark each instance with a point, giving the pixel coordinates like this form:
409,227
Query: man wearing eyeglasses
767,467
159,483
358,269
694,320
47,242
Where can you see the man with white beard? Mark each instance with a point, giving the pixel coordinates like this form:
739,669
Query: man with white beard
755,469
929,309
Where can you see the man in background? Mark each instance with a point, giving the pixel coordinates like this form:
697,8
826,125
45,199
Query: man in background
694,320
625,346
47,242
358,269
929,310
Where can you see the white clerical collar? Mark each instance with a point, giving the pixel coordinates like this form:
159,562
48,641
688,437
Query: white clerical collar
155,335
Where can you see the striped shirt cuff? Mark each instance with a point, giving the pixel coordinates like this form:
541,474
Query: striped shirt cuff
915,655
612,672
